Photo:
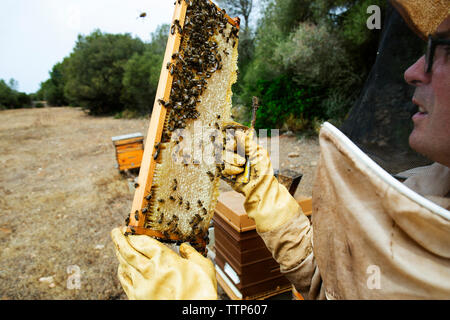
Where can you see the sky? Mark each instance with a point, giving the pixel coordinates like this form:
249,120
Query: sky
36,34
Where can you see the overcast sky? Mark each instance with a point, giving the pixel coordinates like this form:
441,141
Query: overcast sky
36,34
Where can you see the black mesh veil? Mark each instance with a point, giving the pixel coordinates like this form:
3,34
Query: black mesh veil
380,121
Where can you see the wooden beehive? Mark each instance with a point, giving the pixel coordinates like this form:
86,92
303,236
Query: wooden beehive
242,258
129,150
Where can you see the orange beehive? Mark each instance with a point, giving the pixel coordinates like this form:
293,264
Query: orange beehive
129,150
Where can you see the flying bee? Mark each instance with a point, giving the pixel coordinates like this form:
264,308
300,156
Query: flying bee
142,15
156,155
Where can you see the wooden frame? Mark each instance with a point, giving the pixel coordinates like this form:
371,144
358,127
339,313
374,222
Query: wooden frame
155,130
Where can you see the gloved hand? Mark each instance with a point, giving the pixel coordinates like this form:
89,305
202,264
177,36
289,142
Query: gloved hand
267,202
149,270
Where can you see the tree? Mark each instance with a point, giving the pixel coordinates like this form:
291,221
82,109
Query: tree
52,90
10,97
141,73
95,70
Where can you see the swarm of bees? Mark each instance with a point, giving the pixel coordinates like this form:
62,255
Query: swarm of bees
199,57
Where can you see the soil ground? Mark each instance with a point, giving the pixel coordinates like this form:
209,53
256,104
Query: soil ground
61,194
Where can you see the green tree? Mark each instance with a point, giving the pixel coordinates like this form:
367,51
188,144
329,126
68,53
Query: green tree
95,70
323,45
53,88
141,73
11,98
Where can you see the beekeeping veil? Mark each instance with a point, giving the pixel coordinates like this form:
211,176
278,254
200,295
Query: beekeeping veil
380,121
374,237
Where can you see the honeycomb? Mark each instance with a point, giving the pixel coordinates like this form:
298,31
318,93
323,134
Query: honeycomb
187,172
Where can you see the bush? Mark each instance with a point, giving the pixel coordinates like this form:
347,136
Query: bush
95,70
10,98
281,98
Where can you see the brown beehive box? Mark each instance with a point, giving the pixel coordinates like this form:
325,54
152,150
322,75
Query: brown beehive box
129,150
241,254
230,207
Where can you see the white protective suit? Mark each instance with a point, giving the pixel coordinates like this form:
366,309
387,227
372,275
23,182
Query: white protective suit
372,237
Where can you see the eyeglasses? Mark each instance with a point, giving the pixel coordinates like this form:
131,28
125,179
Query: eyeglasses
431,48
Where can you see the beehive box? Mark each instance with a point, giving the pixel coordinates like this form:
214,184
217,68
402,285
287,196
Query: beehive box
244,263
129,150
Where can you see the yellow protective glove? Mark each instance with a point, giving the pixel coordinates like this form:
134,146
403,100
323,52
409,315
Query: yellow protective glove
149,270
267,202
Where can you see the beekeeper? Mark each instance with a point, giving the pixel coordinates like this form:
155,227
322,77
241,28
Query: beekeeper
371,236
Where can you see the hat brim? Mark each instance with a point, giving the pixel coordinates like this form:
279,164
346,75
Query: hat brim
423,17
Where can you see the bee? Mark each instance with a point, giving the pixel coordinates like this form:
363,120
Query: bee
148,197
155,156
199,202
210,175
161,200
144,210
136,215
172,198
142,15
205,212
188,205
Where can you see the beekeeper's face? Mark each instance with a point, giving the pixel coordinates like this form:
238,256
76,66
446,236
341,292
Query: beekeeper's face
431,134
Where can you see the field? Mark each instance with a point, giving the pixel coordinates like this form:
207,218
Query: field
61,194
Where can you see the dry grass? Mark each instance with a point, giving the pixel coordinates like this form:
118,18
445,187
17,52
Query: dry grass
60,197
61,194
